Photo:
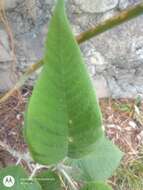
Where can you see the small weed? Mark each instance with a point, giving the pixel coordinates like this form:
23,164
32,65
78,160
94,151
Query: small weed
130,176
124,107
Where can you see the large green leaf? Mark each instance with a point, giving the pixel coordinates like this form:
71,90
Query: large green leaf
96,186
99,165
49,181
63,116
20,177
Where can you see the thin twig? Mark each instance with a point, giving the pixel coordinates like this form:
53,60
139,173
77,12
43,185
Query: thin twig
4,19
120,18
32,165
22,80
37,167
68,178
18,161
16,154
62,181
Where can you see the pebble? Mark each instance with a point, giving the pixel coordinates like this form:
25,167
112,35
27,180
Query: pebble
132,124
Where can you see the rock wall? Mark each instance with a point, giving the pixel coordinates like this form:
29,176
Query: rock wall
114,58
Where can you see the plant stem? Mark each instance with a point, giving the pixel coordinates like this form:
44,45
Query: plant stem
34,171
22,80
68,178
17,155
120,18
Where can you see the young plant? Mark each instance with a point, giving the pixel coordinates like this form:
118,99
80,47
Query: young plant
63,122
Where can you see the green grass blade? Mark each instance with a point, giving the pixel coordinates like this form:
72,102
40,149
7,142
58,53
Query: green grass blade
97,186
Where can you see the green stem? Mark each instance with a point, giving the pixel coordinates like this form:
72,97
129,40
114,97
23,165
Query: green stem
63,172
120,18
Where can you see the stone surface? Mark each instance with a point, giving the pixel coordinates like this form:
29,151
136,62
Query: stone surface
94,58
9,4
125,3
114,59
122,48
7,80
101,87
96,6
5,53
7,77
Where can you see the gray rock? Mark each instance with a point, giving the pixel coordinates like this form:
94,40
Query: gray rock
7,80
96,6
9,4
91,69
101,86
7,77
5,53
123,4
114,59
114,88
93,57
137,47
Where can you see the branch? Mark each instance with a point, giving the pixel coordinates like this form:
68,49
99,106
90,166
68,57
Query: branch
18,155
65,174
22,80
120,18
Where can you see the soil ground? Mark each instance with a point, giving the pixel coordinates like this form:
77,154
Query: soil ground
123,122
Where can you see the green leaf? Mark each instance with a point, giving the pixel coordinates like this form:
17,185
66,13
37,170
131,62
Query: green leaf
99,165
63,117
96,186
20,177
49,180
